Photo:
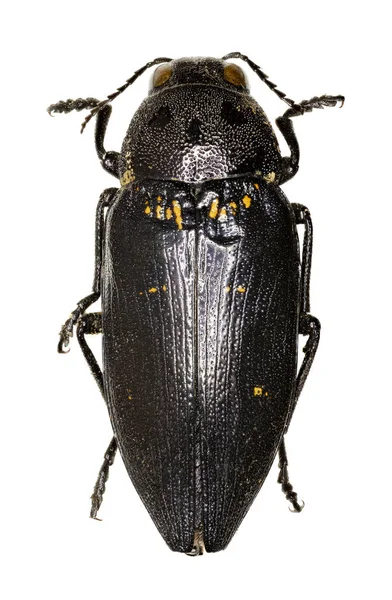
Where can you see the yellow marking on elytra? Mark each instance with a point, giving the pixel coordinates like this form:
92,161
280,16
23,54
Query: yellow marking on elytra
140,293
222,214
129,395
177,213
270,177
159,199
227,288
169,213
256,185
159,212
246,200
258,391
147,210
138,189
266,394
214,208
233,206
127,177
241,289
164,288
153,290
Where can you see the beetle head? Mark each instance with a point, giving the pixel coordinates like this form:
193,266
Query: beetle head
199,71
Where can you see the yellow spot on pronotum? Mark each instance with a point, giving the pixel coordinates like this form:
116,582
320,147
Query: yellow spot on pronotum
164,288
241,289
169,213
227,288
222,214
159,212
270,177
246,201
258,391
153,290
256,185
177,213
214,209
233,206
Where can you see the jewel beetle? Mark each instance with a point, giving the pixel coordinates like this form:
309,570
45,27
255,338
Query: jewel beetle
204,295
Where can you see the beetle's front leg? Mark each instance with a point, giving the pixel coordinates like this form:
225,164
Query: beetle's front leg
290,163
66,332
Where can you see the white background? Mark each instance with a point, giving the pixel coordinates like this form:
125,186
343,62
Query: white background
54,426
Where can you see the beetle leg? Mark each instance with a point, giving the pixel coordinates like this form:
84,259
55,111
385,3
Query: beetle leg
103,475
283,479
90,323
109,160
66,332
290,163
310,326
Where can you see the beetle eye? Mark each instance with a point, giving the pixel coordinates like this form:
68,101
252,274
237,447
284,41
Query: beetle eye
162,74
234,74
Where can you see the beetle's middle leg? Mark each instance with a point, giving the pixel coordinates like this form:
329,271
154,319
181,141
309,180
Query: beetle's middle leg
91,323
66,332
310,326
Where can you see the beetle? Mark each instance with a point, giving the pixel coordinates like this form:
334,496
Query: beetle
204,295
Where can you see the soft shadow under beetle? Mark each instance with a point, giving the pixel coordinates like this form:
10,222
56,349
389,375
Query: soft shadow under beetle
203,296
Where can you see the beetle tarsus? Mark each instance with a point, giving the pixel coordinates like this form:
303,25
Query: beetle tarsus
66,331
103,475
284,481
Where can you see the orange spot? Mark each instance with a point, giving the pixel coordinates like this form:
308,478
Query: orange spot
222,214
246,201
241,289
256,186
159,212
164,288
227,288
258,391
153,290
233,206
169,213
147,210
177,213
214,208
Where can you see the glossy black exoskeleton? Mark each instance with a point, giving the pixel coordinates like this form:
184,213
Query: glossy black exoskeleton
203,297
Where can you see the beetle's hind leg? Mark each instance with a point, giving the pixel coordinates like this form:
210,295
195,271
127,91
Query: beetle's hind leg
284,481
310,326
103,475
91,323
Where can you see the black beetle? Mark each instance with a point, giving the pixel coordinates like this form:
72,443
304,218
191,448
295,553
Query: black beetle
203,296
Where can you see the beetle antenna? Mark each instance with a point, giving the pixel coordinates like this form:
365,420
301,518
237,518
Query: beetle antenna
67,106
262,76
120,90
